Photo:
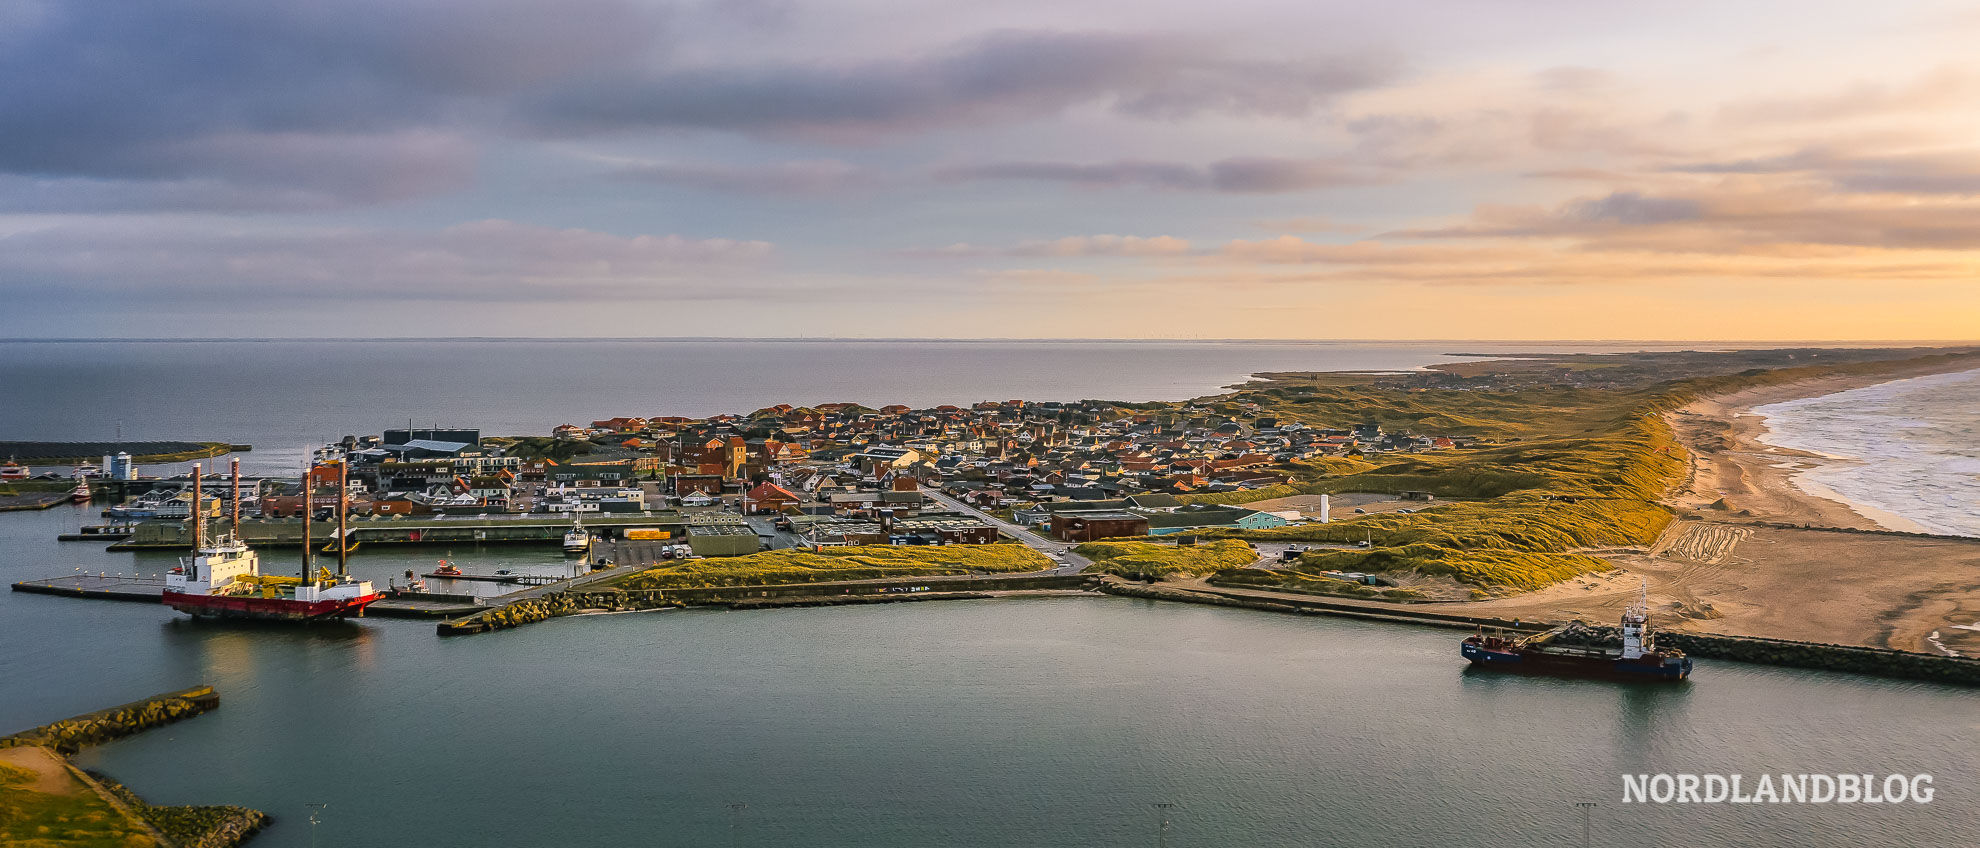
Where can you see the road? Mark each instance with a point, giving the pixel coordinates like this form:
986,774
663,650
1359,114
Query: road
1072,563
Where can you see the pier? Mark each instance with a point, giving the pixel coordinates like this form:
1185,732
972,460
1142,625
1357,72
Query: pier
447,530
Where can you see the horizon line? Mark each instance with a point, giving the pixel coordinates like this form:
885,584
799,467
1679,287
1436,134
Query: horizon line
985,339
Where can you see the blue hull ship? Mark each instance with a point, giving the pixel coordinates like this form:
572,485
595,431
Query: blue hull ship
1578,650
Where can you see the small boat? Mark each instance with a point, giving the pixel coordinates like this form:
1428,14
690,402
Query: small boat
446,569
1578,650
577,540
80,494
11,470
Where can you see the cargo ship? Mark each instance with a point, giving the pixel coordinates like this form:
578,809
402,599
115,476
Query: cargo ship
1576,649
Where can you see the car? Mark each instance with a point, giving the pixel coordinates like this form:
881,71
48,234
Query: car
1360,511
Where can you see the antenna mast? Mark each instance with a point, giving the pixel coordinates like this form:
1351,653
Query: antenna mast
198,515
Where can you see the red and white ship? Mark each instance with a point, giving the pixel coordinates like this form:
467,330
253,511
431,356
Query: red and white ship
223,580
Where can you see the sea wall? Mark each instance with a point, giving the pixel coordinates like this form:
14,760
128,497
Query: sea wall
73,734
1879,662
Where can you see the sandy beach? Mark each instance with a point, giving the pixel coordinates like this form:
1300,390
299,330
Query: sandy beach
1754,553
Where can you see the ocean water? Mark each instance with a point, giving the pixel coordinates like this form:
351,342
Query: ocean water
1911,448
1016,723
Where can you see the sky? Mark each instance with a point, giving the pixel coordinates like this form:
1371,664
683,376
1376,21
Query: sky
1427,169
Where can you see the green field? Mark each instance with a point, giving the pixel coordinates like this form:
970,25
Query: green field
1160,560
868,562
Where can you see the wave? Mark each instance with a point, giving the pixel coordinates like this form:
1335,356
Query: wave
1909,449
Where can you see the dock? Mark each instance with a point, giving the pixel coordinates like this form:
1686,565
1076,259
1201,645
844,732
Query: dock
151,590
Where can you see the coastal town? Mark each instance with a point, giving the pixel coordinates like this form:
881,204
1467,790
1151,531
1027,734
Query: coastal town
834,474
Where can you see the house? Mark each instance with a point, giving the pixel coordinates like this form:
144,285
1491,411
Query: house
769,497
1088,526
1206,516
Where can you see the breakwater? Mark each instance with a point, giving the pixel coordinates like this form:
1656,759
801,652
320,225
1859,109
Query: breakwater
1879,662
70,735
532,610
222,826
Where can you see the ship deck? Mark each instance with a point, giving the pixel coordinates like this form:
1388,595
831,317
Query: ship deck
152,590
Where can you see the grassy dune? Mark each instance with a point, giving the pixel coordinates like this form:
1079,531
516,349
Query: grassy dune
1161,560
1565,470
868,562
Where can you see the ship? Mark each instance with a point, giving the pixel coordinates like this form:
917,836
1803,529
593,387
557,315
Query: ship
224,580
576,540
1577,649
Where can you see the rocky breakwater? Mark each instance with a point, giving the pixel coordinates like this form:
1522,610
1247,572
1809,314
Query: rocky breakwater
183,827
533,610
70,735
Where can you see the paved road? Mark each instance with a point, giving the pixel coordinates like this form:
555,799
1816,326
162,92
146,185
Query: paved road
1059,551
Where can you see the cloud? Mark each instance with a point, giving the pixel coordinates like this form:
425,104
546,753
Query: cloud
1000,76
491,259
1953,172
307,104
1242,175
1069,246
1942,88
815,176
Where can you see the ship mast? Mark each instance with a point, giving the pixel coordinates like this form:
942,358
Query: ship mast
235,521
1634,622
343,509
309,507
198,515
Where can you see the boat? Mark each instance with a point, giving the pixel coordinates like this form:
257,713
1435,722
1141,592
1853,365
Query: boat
1577,649
148,505
80,494
446,569
224,580
577,540
11,470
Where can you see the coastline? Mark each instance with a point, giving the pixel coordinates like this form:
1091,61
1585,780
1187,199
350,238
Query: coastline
1736,473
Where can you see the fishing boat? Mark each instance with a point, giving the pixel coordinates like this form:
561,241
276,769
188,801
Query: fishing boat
577,540
1577,649
446,569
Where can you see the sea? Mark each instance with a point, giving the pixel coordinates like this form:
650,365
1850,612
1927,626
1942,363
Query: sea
1025,722
1909,450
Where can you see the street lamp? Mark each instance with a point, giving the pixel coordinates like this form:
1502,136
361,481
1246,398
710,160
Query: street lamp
1162,809
1585,806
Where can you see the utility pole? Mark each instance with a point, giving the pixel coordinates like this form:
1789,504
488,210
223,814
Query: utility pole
1162,809
308,509
735,823
1585,806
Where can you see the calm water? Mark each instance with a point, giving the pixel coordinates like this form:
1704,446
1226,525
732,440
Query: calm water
1916,446
1050,722
280,396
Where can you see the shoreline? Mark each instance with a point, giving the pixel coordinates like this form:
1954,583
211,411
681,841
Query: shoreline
1736,472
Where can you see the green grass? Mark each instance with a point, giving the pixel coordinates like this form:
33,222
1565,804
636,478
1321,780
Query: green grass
32,819
1160,560
868,562
1566,470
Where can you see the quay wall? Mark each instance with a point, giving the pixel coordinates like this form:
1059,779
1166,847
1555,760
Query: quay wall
70,735
287,532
